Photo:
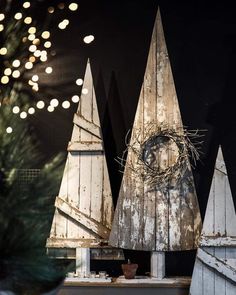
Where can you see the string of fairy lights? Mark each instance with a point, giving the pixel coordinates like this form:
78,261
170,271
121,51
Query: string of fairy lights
38,44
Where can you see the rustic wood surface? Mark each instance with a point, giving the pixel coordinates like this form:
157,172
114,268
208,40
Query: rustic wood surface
148,217
215,267
84,208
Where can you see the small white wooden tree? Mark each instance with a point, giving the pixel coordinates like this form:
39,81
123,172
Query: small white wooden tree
152,215
84,207
215,266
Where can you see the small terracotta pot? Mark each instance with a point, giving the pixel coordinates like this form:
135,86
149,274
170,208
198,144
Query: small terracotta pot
129,270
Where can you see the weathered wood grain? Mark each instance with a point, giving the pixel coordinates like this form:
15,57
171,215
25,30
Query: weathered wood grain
148,217
74,243
218,241
84,207
88,222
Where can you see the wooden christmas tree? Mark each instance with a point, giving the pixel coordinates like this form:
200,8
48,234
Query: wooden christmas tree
157,209
84,208
215,267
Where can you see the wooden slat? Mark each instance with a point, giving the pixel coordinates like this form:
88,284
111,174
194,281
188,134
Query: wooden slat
97,187
87,125
230,216
208,225
89,223
74,243
230,255
96,172
218,241
217,264
95,146
220,282
208,276
219,203
108,209
196,287
146,114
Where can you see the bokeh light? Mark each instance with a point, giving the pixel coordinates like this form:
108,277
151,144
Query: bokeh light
16,74
48,70
9,130
50,108
2,16
23,115
18,16
66,104
16,110
79,82
54,102
28,20
40,104
35,78
73,6
7,72
88,39
4,79
26,4
45,34
3,50
16,63
75,98
31,110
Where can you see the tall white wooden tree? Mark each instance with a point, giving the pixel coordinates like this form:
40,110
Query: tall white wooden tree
151,215
84,207
215,266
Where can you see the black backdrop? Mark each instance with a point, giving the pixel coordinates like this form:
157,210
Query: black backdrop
201,40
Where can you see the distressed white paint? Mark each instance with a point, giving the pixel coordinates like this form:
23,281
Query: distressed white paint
82,261
148,217
158,265
220,266
215,267
218,241
81,218
84,208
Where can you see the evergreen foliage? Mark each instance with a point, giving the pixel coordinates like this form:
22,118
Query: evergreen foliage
26,209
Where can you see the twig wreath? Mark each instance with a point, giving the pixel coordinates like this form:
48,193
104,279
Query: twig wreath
160,152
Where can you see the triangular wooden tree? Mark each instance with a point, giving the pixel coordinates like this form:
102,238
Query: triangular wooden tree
215,267
149,217
84,208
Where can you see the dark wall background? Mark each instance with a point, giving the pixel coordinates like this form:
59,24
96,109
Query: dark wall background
201,40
